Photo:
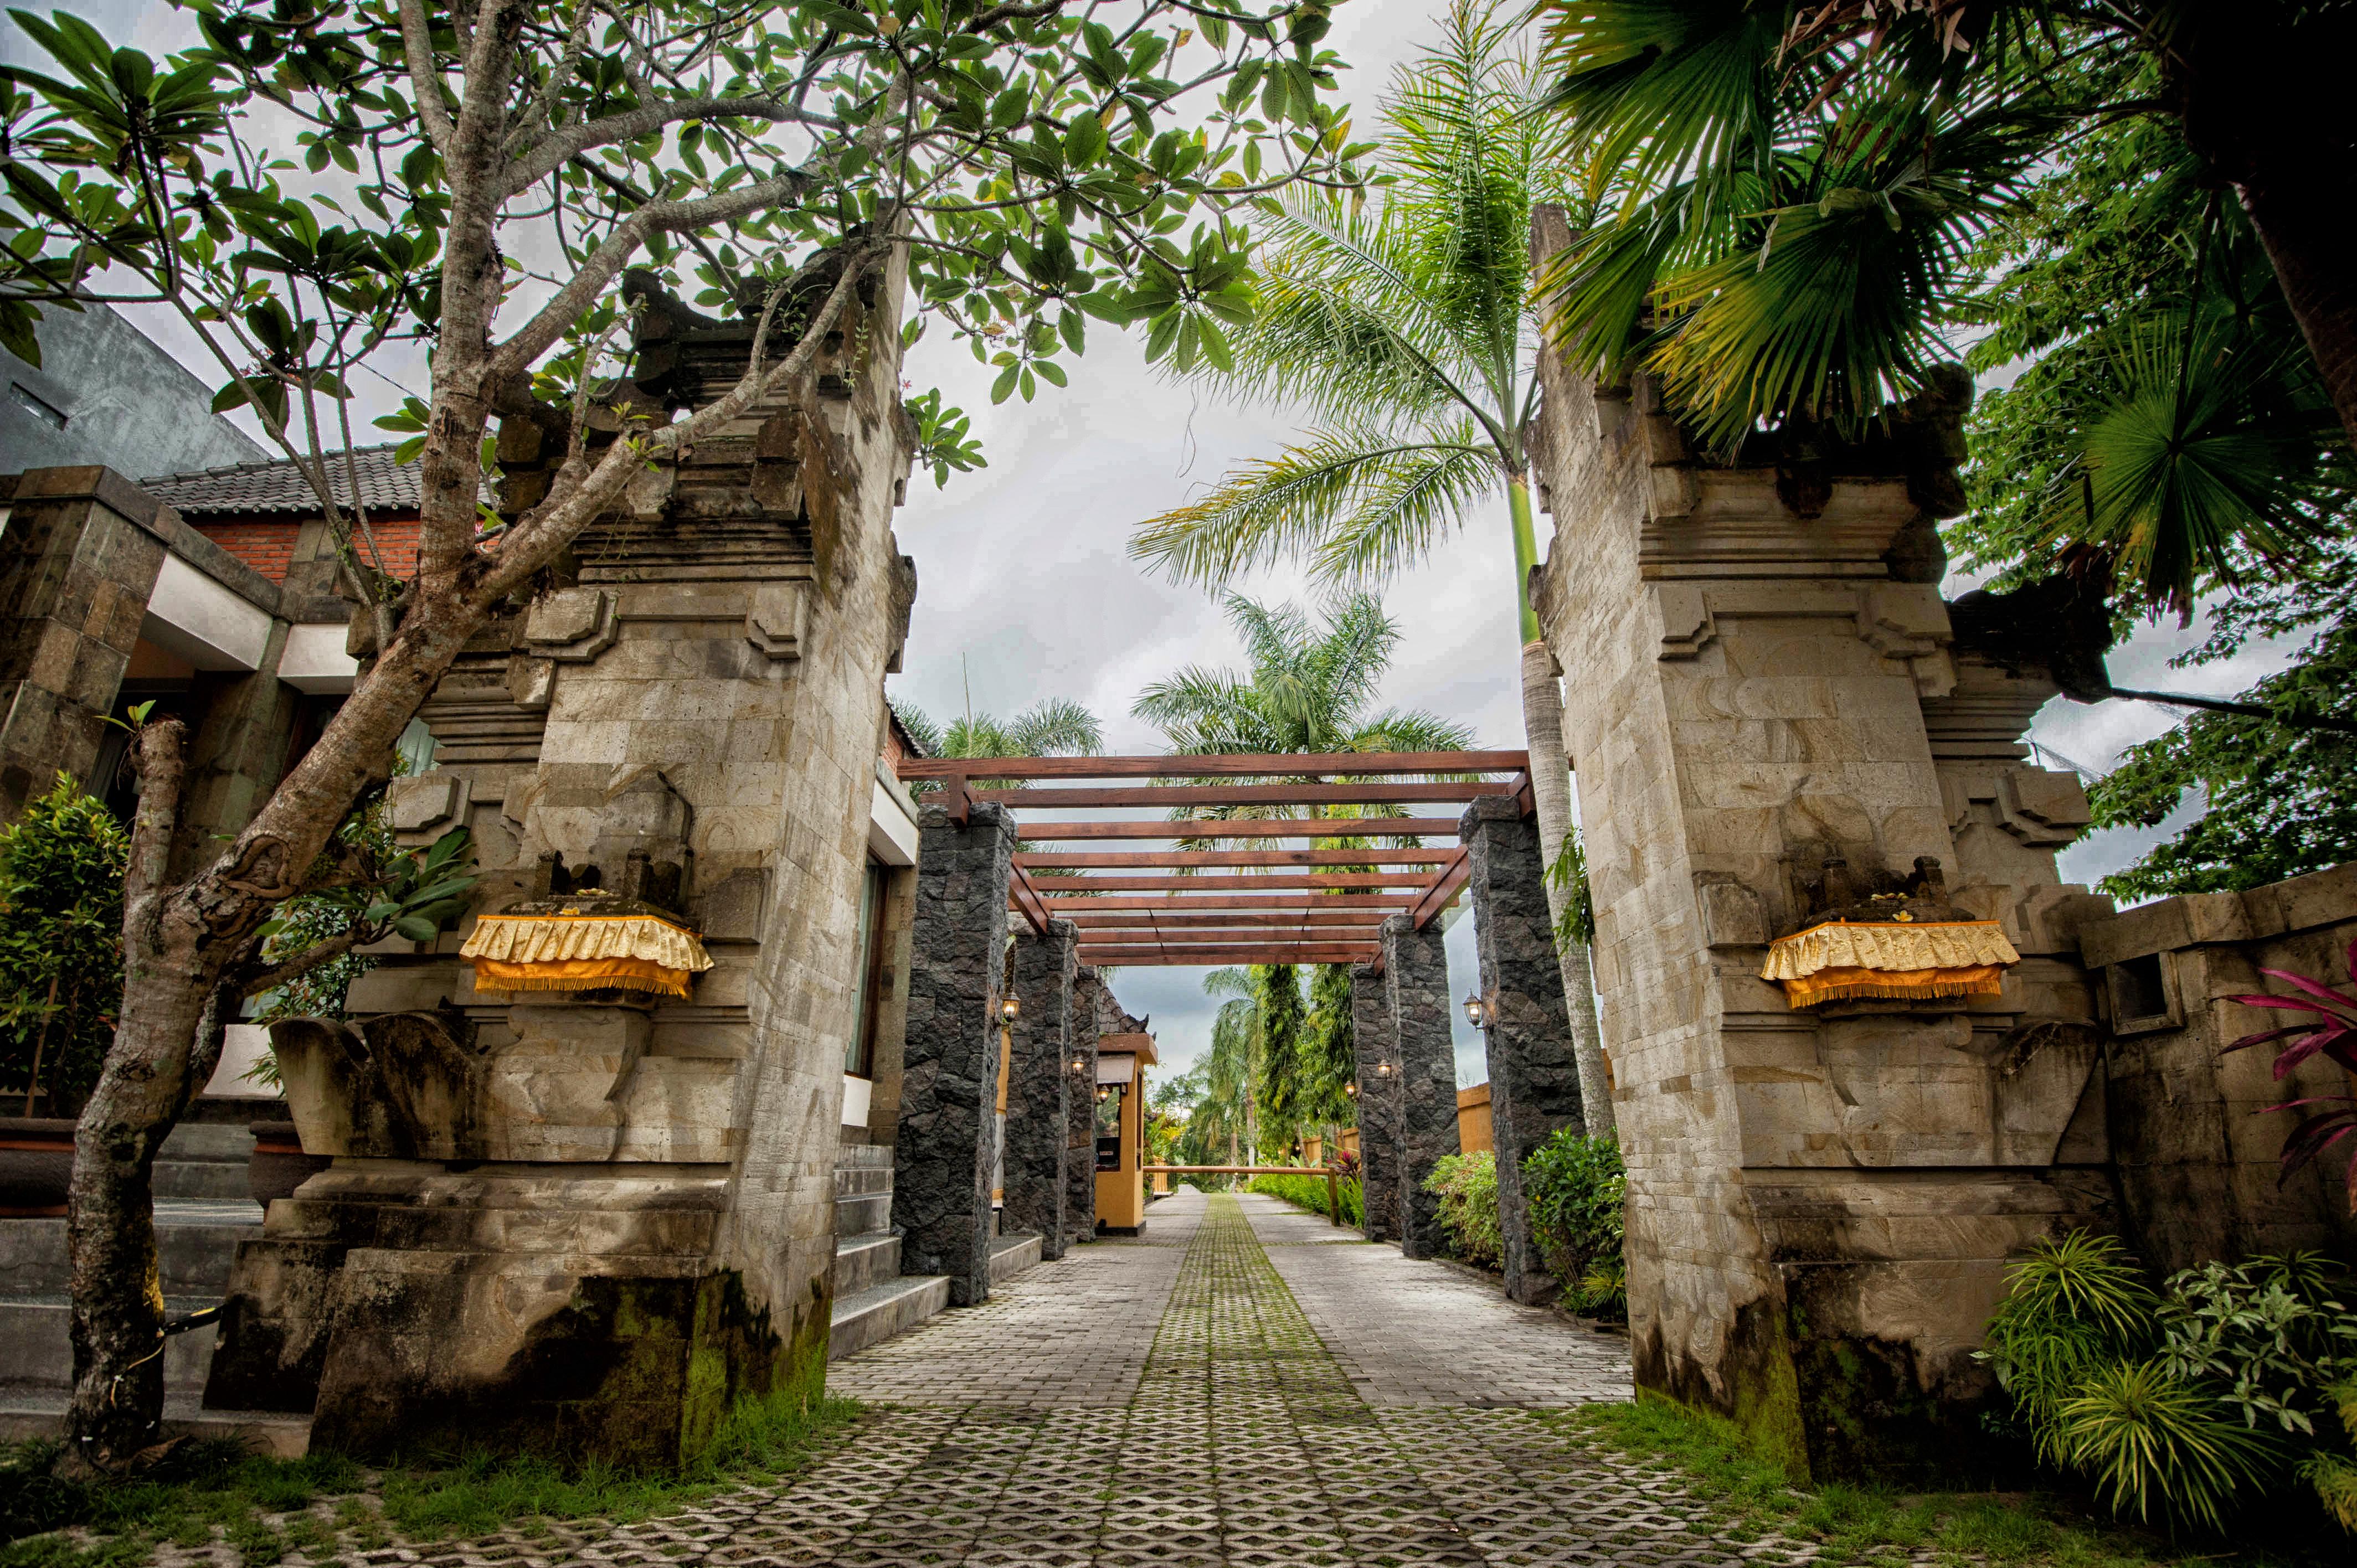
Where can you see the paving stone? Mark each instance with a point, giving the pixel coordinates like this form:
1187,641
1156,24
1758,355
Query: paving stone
1244,1385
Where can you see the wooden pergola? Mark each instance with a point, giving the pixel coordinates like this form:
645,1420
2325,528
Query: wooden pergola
1282,900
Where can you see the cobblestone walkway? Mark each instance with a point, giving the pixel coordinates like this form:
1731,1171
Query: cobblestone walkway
1239,1389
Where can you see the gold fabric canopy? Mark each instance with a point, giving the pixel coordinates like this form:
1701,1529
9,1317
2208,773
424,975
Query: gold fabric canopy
1903,960
575,944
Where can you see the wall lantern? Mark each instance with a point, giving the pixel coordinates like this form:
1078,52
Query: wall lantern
1079,1066
1479,1011
1009,1009
1105,1092
1352,1089
1382,1070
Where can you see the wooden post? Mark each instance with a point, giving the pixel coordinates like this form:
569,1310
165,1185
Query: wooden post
1333,1197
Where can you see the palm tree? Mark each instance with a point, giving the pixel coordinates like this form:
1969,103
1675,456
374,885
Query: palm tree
1791,199
1054,727
1308,688
1407,328
1229,1108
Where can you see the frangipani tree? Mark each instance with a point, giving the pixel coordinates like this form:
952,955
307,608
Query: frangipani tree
322,188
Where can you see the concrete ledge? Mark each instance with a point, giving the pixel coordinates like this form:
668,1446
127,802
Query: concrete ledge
24,1416
881,1311
1010,1255
37,1349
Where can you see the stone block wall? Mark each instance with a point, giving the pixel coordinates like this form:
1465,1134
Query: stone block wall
2193,1141
702,683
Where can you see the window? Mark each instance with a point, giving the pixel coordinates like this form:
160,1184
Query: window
859,1055
37,405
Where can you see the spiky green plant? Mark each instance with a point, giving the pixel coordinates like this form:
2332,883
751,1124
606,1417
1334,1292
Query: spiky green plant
2146,1438
2073,1307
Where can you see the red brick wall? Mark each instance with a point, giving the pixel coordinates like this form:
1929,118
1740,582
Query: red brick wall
268,546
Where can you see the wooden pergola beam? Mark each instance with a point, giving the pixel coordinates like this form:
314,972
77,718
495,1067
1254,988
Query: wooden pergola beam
1251,828
1163,920
1266,901
1257,953
1107,795
1173,859
1362,879
1444,891
1281,764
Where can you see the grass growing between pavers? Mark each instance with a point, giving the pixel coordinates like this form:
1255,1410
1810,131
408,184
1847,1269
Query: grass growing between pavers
1867,1525
324,1506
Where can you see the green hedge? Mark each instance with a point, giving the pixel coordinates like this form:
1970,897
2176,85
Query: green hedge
1577,1189
1309,1193
1467,1185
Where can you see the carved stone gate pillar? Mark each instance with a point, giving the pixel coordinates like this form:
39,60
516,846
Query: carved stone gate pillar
1039,1095
1533,1076
1779,724
948,1086
1416,974
1377,1048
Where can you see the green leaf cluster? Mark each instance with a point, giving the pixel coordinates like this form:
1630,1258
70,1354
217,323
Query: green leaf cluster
61,869
2185,1403
1577,1190
1467,1188
283,186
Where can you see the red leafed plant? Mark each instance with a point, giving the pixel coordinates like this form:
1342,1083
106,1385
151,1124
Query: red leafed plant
2330,1029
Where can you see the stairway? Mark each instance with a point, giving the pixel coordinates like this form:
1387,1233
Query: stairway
873,1299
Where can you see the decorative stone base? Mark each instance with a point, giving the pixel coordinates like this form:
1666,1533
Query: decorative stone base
412,1309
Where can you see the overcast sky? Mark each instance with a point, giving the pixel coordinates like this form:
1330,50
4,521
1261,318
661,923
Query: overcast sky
1026,591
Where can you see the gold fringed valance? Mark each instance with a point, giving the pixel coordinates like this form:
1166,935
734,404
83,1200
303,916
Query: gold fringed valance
566,950
1905,960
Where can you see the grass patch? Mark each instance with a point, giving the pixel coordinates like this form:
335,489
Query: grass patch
1866,1525
209,1493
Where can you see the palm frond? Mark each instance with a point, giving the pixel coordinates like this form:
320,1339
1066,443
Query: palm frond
1057,726
1405,507
1289,505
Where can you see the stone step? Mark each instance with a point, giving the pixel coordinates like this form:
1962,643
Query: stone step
195,1243
864,1261
1013,1254
36,1353
862,1181
854,1216
25,1416
880,1311
213,1181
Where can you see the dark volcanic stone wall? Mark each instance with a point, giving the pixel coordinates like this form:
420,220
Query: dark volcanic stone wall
1039,1092
1379,1108
1533,1076
948,1089
1416,972
1081,1141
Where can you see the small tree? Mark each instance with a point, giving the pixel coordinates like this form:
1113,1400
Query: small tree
320,181
60,944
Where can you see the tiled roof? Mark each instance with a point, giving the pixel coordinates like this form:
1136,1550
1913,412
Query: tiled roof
246,489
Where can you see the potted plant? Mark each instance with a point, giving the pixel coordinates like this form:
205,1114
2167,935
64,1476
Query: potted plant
61,867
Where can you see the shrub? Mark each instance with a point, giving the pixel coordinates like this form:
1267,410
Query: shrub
1467,1185
61,866
1309,1193
2229,1380
1577,1190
